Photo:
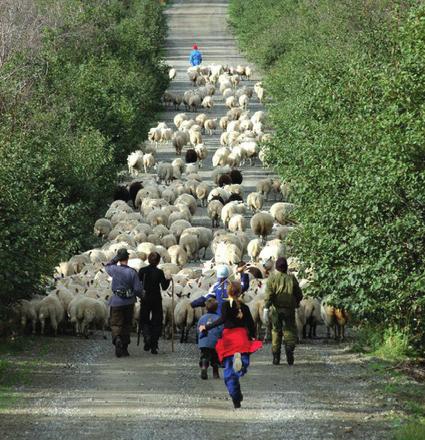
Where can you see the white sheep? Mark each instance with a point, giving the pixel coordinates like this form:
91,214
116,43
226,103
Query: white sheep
102,227
255,201
281,212
264,187
262,224
51,308
254,248
229,210
237,223
214,212
135,162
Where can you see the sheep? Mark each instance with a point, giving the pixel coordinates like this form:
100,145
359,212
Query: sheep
190,244
214,212
202,153
179,141
281,212
28,311
237,223
133,189
255,201
148,161
194,102
231,102
200,119
168,195
234,114
208,102
195,137
236,177
230,210
51,308
254,248
168,240
135,162
210,125
177,227
219,171
172,73
178,255
188,200
264,187
191,156
179,118
164,172
272,251
223,122
259,91
220,156
91,311
224,180
227,253
244,101
204,236
102,227
312,316
251,149
333,317
202,191
184,317
262,224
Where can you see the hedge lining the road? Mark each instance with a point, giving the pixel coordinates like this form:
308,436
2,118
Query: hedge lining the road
71,109
346,87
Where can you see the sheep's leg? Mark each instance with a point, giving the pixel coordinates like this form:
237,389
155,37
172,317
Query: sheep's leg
43,325
34,325
304,332
328,332
342,332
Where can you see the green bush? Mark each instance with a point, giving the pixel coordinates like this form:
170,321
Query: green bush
346,87
70,112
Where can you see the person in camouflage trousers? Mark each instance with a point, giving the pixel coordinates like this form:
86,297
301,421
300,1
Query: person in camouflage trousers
283,296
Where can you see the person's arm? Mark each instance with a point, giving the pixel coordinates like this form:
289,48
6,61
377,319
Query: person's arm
268,293
225,310
249,322
163,281
200,57
191,58
297,292
244,281
111,267
137,285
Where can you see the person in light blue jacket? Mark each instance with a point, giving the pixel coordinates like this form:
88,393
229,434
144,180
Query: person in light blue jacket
207,342
195,57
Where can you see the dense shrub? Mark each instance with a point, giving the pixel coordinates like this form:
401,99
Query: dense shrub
346,87
71,109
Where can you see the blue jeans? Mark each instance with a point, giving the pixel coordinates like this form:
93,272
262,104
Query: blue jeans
231,377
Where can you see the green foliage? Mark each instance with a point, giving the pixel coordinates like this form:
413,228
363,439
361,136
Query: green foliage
412,431
346,81
69,115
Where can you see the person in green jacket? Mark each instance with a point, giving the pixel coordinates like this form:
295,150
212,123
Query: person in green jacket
283,296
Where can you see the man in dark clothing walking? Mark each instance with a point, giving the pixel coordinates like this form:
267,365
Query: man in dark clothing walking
151,307
125,287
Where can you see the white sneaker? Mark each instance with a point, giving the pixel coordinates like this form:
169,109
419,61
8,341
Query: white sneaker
237,362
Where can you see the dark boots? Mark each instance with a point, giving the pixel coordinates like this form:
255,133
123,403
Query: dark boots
276,358
216,374
290,355
119,348
204,370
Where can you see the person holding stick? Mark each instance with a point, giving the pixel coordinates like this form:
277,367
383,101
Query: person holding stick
151,304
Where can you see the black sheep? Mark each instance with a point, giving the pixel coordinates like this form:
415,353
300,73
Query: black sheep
235,197
218,198
191,156
224,179
236,176
134,189
121,193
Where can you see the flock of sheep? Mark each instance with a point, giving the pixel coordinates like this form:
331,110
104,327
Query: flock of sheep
155,211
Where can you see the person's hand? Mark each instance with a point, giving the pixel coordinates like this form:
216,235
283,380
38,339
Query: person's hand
168,275
266,316
240,269
202,328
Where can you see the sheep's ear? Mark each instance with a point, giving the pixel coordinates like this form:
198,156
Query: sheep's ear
62,275
92,282
76,290
106,297
97,296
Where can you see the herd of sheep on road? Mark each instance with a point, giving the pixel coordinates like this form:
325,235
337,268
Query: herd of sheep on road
155,211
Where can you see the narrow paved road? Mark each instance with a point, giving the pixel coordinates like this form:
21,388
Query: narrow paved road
82,391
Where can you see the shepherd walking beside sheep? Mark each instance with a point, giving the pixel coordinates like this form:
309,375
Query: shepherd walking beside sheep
125,287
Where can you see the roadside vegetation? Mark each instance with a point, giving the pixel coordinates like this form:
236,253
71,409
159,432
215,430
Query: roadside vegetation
80,84
345,85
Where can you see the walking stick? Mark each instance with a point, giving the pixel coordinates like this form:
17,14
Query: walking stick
172,314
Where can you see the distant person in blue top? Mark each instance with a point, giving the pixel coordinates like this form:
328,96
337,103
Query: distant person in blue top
195,58
219,289
207,342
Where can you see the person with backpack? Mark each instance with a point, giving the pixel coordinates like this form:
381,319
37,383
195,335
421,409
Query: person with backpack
125,287
195,57
284,295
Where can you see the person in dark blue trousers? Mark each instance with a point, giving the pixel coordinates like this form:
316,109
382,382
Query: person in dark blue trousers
238,340
195,57
207,342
